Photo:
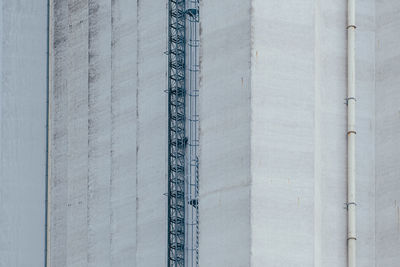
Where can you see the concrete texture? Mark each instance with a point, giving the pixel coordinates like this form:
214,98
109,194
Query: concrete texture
365,140
297,133
225,134
387,145
273,146
23,68
123,145
108,142
69,136
93,134
273,133
151,134
282,133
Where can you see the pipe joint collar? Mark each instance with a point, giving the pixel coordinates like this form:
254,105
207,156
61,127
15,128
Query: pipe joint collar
347,99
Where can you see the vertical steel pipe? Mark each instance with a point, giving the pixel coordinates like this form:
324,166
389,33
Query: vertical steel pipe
351,137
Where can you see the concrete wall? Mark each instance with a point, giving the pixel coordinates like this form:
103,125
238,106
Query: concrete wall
365,140
152,134
23,83
297,130
273,124
387,133
69,136
108,134
93,134
299,133
282,133
225,134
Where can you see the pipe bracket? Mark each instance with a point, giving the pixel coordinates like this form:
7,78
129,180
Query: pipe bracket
351,26
347,204
346,100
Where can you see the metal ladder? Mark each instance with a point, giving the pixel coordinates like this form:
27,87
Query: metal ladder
192,175
183,133
177,140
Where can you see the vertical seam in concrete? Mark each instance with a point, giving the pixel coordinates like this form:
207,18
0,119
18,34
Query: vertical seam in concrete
90,133
88,139
113,126
137,129
1,82
251,26
67,116
110,195
99,132
375,52
47,187
317,151
374,138
67,130
1,93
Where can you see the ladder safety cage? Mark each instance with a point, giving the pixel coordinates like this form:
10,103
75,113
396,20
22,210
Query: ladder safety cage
183,133
176,132
192,163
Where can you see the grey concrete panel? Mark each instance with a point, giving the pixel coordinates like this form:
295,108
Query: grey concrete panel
151,134
225,134
282,132
330,134
69,135
298,133
58,181
99,130
123,138
387,145
93,134
23,83
365,140
273,122
77,139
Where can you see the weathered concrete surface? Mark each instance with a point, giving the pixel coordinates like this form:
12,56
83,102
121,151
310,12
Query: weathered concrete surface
123,135
365,140
58,180
299,133
23,48
273,146
68,198
225,134
99,130
152,134
282,133
93,134
387,100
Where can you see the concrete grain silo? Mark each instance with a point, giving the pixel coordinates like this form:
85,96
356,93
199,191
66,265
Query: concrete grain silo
200,133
